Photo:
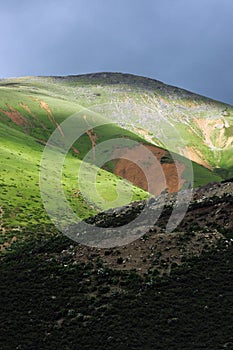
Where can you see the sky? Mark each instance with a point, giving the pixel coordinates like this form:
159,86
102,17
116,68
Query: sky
185,43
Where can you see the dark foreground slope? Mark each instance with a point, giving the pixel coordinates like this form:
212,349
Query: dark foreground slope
46,306
56,294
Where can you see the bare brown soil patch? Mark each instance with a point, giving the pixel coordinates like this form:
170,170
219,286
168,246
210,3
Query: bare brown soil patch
27,109
14,116
213,139
196,156
46,107
76,151
144,134
6,245
143,171
92,136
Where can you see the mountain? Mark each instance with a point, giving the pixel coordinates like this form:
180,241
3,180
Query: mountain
143,117
110,147
168,116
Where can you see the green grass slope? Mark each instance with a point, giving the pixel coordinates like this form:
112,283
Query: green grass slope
173,118
20,200
26,122
31,108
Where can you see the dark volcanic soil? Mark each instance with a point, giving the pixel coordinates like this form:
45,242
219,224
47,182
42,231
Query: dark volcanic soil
163,291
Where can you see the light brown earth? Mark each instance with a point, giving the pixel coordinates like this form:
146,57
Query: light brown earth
27,109
14,116
209,127
92,136
142,167
46,107
75,150
196,156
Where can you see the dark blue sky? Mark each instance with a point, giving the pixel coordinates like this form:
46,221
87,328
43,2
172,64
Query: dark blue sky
187,43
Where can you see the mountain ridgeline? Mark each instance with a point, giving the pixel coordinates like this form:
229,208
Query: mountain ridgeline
170,131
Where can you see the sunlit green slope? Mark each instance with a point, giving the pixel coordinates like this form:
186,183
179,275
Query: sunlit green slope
124,106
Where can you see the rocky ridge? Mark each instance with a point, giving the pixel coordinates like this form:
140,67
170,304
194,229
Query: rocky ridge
209,219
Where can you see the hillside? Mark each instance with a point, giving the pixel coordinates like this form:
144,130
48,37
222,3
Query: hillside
163,291
176,119
138,177
163,122
168,116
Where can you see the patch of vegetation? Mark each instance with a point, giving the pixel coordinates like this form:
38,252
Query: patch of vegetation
47,303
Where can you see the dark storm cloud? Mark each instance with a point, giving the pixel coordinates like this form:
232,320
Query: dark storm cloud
182,42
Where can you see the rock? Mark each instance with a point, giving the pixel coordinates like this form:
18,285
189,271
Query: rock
71,313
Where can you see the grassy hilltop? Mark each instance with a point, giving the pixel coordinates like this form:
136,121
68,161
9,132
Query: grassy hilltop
160,117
